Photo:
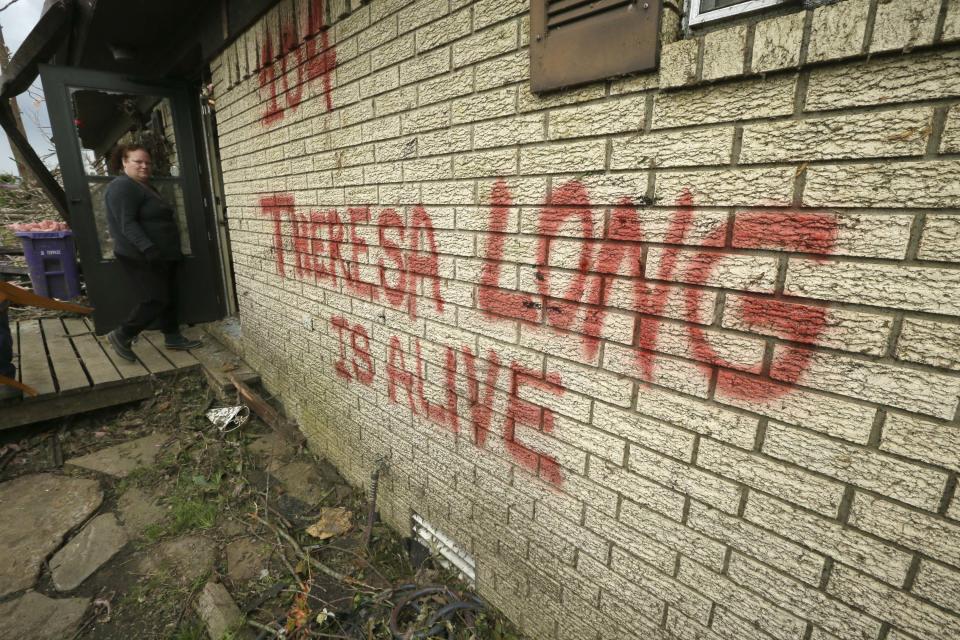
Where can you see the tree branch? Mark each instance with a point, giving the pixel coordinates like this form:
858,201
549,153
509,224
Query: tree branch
8,5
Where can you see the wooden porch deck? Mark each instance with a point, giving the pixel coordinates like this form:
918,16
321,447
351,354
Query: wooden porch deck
74,371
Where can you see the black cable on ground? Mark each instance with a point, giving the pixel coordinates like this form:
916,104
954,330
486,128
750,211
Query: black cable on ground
436,623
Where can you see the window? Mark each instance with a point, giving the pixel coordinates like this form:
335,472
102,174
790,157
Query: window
701,11
578,41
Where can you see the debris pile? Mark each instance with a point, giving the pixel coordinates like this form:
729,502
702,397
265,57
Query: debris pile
22,208
198,525
42,225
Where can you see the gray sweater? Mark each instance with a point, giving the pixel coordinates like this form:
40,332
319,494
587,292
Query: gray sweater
138,219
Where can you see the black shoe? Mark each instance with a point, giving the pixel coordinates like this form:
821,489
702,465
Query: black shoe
179,342
121,344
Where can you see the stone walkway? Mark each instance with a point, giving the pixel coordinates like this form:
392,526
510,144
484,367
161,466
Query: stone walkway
51,520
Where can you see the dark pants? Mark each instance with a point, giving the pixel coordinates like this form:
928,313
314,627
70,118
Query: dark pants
6,343
156,286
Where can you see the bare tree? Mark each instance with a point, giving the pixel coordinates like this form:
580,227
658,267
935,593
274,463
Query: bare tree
25,174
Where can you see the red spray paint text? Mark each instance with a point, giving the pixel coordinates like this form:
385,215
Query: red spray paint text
405,385
319,237
582,307
320,240
312,59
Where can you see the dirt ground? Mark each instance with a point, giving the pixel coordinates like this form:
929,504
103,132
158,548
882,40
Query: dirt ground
234,507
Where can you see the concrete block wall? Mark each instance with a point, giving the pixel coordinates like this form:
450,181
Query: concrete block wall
673,356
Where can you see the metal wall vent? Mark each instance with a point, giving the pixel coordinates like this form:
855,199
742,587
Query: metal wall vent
578,41
450,554
561,12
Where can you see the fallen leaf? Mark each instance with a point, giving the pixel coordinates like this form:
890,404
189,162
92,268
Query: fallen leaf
334,521
229,366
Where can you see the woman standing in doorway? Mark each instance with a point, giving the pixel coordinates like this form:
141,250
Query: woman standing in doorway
146,243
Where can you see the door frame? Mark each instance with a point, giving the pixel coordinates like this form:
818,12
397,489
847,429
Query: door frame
58,81
217,204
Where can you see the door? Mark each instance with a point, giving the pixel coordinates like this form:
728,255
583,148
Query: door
91,112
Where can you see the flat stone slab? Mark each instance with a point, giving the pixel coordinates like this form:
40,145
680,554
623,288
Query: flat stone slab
218,610
272,445
96,543
301,481
38,617
138,510
121,459
38,511
184,559
246,558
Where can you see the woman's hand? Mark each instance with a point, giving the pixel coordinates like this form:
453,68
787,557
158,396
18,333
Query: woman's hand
152,254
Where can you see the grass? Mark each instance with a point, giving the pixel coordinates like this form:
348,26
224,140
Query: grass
192,631
191,513
142,477
195,500
191,509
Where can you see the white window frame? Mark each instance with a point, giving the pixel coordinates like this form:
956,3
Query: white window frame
695,16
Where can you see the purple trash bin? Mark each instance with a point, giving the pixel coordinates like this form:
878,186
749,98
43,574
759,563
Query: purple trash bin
52,263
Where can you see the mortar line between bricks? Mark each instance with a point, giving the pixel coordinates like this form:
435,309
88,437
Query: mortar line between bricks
648,112
949,492
692,170
780,341
739,333
912,573
749,42
937,126
846,504
654,208
698,69
894,337
868,28
759,253
851,109
941,20
614,135
737,146
915,238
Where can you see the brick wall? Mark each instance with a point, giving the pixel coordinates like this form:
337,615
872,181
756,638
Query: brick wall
673,356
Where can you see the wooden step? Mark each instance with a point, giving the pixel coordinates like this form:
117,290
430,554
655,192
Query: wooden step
219,363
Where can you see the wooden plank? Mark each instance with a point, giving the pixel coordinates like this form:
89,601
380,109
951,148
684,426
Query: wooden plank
34,369
150,357
268,414
66,366
126,368
219,362
180,359
97,363
15,334
90,399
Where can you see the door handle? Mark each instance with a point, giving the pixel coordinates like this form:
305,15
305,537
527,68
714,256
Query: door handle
76,200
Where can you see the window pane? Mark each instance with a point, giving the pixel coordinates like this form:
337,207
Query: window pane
104,119
710,5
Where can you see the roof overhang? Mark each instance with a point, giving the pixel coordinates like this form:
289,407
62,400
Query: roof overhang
43,41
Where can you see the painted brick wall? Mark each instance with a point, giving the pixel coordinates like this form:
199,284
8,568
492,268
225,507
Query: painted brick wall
674,356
